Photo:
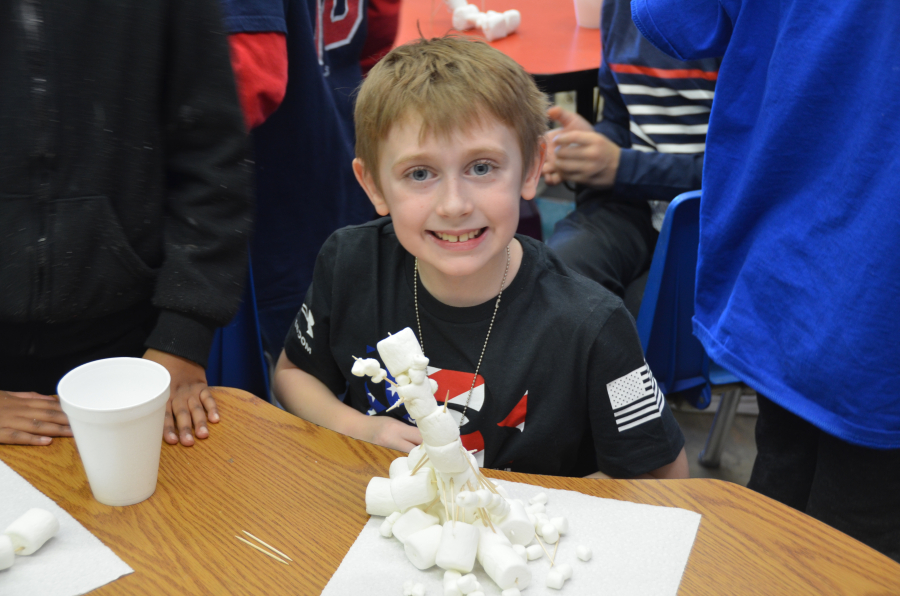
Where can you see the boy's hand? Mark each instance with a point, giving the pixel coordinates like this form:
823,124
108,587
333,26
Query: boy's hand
577,153
190,402
28,418
389,432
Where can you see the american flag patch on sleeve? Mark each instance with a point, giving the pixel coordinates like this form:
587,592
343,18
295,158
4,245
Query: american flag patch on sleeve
635,398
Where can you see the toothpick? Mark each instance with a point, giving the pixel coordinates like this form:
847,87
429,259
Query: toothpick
541,542
267,545
444,499
455,505
487,518
263,551
446,401
396,405
553,560
419,465
354,357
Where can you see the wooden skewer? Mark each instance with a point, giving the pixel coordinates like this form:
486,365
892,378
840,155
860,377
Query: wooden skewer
396,405
553,560
541,542
267,545
262,550
487,518
419,465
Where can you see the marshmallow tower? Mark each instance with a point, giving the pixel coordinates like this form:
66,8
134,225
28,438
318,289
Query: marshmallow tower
494,25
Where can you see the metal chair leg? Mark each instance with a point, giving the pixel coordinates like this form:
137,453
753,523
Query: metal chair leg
712,453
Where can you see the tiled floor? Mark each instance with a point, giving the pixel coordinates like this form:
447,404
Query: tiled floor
739,450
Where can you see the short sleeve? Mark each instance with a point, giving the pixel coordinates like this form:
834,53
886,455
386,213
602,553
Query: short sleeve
254,16
686,29
308,341
634,430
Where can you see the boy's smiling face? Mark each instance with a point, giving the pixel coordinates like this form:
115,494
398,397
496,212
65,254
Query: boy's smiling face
454,201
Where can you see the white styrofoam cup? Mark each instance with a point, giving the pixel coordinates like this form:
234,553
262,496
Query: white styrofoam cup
116,408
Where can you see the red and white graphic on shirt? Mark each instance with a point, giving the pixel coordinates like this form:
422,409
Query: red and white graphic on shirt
336,24
516,418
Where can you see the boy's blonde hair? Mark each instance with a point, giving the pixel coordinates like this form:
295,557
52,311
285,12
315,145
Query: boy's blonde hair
452,83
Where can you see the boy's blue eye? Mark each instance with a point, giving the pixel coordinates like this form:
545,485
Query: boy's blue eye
482,169
419,175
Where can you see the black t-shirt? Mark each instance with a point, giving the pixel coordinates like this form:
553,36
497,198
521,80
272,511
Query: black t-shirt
563,388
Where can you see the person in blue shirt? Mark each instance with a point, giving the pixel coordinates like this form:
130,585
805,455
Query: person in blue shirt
799,267
647,149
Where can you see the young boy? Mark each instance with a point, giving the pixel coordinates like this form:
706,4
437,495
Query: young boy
542,366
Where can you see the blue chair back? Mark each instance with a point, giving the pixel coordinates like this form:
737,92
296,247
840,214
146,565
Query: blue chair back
675,355
236,358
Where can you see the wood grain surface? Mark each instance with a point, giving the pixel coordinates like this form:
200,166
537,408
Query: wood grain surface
301,488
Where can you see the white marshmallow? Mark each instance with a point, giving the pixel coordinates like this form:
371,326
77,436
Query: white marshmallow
399,467
408,587
434,385
402,380
418,399
513,19
7,552
484,497
413,489
466,583
538,498
465,17
494,27
414,456
411,522
500,489
555,579
534,552
549,533
418,590
386,529
31,530
450,589
398,351
476,593
378,497
438,428
454,4
516,525
437,510
451,576
459,543
450,458
379,376
417,376
421,547
536,508
561,523
467,499
584,552
365,366
521,551
511,592
503,565
565,570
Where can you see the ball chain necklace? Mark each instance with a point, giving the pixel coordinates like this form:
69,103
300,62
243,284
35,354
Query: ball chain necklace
491,326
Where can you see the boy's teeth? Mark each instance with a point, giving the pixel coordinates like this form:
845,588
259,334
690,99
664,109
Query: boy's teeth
460,238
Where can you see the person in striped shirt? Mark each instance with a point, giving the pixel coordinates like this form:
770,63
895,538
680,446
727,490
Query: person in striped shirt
647,148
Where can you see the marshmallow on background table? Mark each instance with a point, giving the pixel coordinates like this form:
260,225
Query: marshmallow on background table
561,523
31,530
438,428
378,497
450,458
7,552
538,498
534,552
421,547
409,490
565,569
411,522
584,552
459,543
399,351
549,533
555,579
467,583
465,17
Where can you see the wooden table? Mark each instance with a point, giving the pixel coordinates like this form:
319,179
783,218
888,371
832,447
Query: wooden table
550,46
302,489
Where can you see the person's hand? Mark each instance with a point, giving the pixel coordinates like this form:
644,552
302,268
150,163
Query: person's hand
28,418
577,153
389,432
190,403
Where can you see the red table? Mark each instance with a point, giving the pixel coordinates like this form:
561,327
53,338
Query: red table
560,55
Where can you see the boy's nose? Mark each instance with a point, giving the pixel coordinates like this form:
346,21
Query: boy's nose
453,199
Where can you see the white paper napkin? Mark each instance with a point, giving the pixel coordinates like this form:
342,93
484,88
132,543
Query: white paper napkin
72,562
639,550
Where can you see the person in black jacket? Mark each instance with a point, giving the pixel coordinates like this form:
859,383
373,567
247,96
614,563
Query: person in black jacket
125,200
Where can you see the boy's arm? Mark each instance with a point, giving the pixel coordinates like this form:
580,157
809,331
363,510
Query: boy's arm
676,470
305,396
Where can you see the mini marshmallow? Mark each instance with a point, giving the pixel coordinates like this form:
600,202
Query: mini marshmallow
536,508
454,4
515,524
433,384
555,579
411,522
476,593
402,380
399,467
494,26
386,529
408,587
399,350
538,498
31,530
459,543
584,552
513,19
549,533
450,589
500,489
467,499
565,570
561,523
467,583
465,17
417,376
365,366
484,497
378,497
7,552
459,480
451,576
421,547
413,489
534,552
379,376
449,459
511,592
439,428
521,551
418,590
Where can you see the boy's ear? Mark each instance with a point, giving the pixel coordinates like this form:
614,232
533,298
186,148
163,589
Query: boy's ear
530,184
364,177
